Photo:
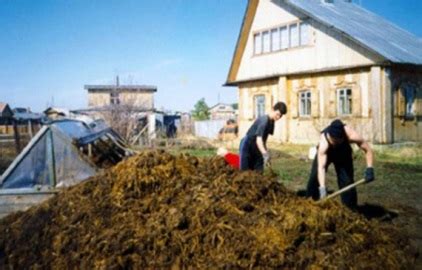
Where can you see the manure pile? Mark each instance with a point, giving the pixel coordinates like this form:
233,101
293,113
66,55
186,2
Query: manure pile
156,210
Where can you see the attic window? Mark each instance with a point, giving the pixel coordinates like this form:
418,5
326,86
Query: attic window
296,34
257,43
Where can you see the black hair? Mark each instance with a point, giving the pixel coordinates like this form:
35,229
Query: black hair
336,129
281,107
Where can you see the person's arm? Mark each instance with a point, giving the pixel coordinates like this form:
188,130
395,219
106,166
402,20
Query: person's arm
322,160
260,144
355,137
260,131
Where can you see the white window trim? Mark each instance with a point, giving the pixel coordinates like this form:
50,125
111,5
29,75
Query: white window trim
256,111
260,35
411,112
350,107
301,112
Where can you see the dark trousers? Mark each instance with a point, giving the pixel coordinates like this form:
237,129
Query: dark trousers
250,157
344,170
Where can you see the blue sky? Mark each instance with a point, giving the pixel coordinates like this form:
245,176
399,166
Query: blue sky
50,48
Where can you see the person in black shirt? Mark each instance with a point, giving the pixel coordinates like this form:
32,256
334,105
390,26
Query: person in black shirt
334,147
253,149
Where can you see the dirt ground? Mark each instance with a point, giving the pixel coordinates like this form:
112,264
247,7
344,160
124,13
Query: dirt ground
393,198
161,211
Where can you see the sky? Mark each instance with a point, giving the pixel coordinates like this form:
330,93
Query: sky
50,49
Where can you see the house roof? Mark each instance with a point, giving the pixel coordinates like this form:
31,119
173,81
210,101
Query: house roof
2,106
109,88
366,28
5,110
361,26
227,108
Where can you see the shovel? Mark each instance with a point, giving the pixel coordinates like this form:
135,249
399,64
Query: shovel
338,192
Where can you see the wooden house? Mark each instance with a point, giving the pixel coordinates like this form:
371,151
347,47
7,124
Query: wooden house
222,111
327,59
137,96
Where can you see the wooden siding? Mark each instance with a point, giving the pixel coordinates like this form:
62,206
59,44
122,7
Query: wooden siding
305,129
328,48
144,100
406,128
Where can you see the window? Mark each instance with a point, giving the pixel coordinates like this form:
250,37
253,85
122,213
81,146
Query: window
304,34
114,98
305,103
266,46
259,106
257,43
284,38
275,40
294,35
280,38
409,99
344,101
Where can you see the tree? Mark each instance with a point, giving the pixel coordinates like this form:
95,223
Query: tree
235,106
201,110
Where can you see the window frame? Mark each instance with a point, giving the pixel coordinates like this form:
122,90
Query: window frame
297,44
409,111
257,39
306,97
278,31
114,98
257,112
347,98
266,46
308,41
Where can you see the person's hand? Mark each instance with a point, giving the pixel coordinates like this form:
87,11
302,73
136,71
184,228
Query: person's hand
369,175
266,157
322,192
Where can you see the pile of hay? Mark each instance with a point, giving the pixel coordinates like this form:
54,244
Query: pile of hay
157,210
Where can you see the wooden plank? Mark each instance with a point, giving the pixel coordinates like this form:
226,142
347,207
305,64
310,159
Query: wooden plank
17,138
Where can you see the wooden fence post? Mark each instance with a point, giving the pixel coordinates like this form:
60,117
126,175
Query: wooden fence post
30,129
17,137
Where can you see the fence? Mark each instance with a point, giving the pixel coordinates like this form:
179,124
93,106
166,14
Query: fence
22,129
209,128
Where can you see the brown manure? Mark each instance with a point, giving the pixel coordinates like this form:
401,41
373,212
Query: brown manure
156,210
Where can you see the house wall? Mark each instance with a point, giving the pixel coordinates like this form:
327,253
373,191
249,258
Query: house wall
406,128
247,92
98,99
222,115
328,49
140,99
366,84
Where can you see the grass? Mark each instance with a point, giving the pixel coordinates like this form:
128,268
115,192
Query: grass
7,155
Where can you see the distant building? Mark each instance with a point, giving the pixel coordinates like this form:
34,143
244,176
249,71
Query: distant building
126,108
138,96
222,111
5,112
327,59
25,115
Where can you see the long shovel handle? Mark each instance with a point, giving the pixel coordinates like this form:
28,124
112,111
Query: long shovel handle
338,192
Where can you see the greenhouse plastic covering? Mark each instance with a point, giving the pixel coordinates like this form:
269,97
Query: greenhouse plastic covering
51,159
